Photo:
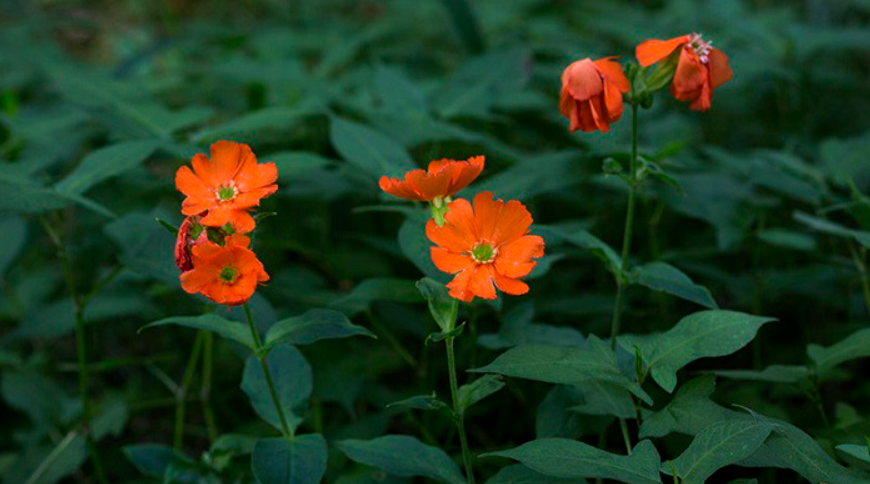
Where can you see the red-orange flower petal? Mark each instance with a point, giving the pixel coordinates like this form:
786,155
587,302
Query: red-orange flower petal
226,274
591,96
442,179
486,245
226,185
700,67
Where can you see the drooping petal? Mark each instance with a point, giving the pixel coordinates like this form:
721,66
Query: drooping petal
613,102
613,74
450,262
582,80
720,71
689,77
651,51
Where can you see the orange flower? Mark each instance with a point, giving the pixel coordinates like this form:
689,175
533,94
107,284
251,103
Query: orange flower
226,274
592,94
443,179
189,234
700,68
485,245
226,186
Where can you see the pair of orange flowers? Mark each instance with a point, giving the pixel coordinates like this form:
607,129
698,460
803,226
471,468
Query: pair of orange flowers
210,249
592,90
485,243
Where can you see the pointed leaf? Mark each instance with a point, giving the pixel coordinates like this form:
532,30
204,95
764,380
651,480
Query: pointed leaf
661,276
854,346
314,325
226,328
520,474
420,402
300,460
405,456
572,459
291,375
369,149
717,446
473,392
442,307
105,163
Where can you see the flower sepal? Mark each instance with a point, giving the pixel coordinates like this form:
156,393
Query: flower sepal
441,336
438,207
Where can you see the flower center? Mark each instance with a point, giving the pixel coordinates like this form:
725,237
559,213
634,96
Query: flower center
702,48
229,274
483,253
227,192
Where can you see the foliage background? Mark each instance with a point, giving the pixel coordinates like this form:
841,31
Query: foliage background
102,102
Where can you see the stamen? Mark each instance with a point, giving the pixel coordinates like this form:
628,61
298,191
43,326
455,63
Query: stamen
701,47
227,192
483,253
228,274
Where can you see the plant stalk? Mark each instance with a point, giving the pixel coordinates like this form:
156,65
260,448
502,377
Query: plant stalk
458,414
285,428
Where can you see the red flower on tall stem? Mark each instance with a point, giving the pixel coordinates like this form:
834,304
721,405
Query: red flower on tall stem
442,180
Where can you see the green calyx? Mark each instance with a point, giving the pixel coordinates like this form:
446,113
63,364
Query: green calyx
439,209
483,252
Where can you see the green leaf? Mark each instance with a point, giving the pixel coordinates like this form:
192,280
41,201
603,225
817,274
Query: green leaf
518,329
699,335
826,226
314,325
369,149
293,381
398,94
226,447
563,364
14,230
604,398
689,412
364,294
420,402
417,247
291,164
520,474
788,239
661,276
473,392
106,163
246,127
477,85
405,456
300,460
854,346
231,330
152,460
442,307
719,445
859,452
773,373
465,23
585,240
569,459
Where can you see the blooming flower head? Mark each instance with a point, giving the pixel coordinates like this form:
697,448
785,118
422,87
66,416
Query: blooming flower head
190,233
700,67
485,245
226,274
442,180
592,94
226,186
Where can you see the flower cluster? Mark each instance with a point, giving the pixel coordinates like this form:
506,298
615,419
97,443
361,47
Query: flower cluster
486,244
211,250
592,91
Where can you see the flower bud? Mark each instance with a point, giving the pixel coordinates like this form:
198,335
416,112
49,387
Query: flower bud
190,233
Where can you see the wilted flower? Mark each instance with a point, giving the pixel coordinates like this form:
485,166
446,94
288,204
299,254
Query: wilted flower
700,67
226,186
226,274
485,245
592,94
190,233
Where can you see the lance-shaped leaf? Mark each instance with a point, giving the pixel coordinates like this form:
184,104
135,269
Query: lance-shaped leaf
564,364
689,412
473,392
442,307
721,444
368,148
568,459
420,402
661,276
859,452
700,335
232,330
105,163
854,346
520,474
828,227
293,381
300,460
403,455
773,374
585,240
314,325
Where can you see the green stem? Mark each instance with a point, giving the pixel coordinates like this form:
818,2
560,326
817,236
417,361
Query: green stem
285,428
81,349
861,264
458,413
626,236
181,395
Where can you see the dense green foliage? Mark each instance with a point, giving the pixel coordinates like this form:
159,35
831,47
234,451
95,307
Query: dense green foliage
747,301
